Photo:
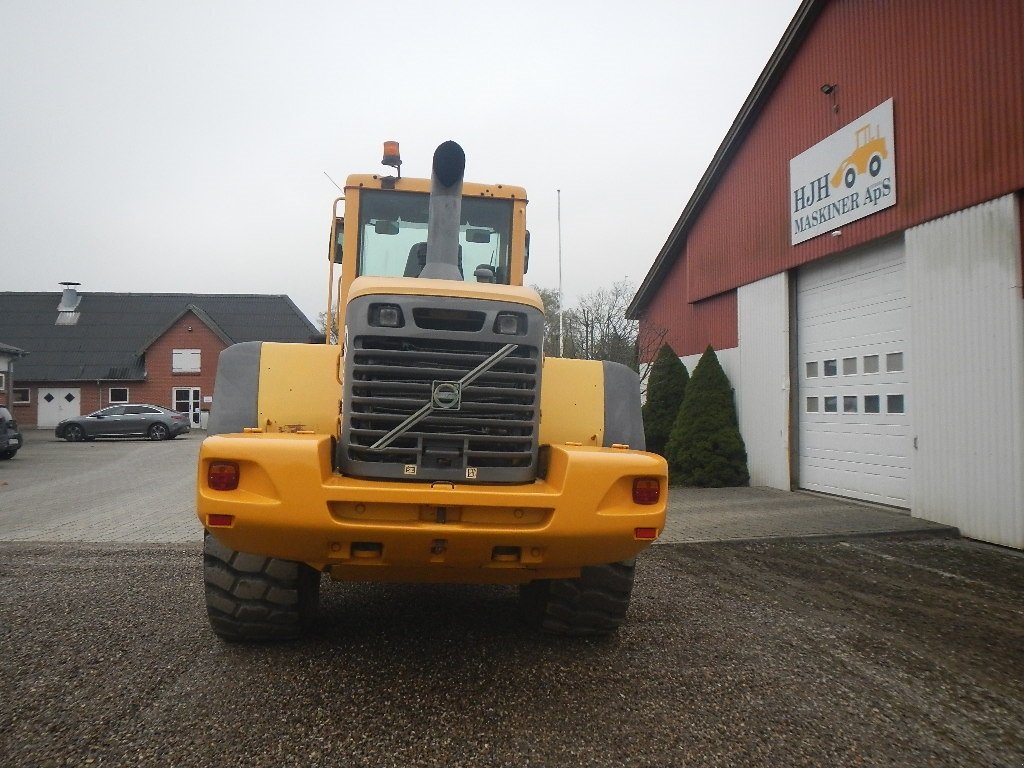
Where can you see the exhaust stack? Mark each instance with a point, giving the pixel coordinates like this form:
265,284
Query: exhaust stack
445,213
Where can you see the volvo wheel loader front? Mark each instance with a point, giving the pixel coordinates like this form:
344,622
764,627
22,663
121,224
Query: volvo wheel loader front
429,440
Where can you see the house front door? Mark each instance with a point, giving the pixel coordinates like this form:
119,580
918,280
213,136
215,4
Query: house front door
187,400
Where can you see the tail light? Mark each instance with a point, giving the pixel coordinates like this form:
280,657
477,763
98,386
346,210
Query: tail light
646,490
222,475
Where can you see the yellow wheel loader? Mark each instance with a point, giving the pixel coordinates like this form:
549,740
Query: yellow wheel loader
429,439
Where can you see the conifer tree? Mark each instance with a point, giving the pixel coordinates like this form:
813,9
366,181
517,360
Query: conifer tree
665,389
705,447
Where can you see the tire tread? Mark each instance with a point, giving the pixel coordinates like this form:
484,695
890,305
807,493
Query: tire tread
255,598
595,603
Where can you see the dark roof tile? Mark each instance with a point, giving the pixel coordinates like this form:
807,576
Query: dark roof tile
113,328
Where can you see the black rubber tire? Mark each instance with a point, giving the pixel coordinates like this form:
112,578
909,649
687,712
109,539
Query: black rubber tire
256,598
9,454
158,432
593,604
74,433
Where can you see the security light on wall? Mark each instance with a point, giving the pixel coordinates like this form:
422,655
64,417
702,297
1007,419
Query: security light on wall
829,89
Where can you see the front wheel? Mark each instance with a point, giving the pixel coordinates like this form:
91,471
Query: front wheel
255,598
73,433
8,454
159,432
593,604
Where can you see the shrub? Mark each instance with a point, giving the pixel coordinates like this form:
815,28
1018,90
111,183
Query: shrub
665,389
705,447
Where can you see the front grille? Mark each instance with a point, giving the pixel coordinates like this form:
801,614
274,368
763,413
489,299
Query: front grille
491,436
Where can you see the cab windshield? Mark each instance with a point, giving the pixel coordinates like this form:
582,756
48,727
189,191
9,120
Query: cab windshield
393,235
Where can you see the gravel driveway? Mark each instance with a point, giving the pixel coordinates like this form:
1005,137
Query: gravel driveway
776,653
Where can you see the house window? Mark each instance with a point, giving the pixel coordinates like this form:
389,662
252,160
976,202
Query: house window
20,396
185,361
3,381
119,394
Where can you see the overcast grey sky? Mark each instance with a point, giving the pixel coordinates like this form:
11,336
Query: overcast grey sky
156,146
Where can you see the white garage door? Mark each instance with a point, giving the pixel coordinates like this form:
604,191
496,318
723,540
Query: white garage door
853,319
56,404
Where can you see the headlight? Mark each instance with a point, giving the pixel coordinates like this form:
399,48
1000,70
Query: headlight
510,324
386,316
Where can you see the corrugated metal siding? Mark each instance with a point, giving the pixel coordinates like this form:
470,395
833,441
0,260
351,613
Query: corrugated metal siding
956,73
687,328
967,324
763,393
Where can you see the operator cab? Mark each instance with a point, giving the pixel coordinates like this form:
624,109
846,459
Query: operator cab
393,236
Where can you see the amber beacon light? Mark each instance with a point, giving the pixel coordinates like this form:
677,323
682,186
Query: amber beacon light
392,157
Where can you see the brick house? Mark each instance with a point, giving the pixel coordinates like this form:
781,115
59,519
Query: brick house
8,355
85,351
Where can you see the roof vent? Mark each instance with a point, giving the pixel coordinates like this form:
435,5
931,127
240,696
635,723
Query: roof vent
67,309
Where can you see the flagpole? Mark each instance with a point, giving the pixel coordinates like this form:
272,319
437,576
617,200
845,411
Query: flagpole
560,301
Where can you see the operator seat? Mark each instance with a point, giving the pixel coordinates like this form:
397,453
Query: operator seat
418,259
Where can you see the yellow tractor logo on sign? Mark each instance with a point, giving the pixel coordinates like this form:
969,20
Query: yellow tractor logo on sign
867,157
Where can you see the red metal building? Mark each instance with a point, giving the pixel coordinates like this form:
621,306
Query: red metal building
911,260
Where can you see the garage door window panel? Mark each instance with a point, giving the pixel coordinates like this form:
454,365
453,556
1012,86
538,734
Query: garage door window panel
895,404
872,404
870,363
831,367
812,369
894,362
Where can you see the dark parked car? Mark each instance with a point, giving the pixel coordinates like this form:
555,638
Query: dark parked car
145,420
10,436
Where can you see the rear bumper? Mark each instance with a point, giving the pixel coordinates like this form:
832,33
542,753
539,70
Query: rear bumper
289,504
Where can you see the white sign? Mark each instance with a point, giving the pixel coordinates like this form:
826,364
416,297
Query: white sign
849,175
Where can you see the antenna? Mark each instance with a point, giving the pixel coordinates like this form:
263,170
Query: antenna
333,182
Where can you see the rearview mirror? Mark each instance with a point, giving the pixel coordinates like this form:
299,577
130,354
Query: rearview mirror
385,227
478,235
526,258
337,239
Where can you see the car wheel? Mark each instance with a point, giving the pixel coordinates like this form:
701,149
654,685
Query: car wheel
158,432
850,177
255,598
875,165
593,604
73,433
9,454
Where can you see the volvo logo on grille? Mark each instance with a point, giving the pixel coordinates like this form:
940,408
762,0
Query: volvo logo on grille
446,395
